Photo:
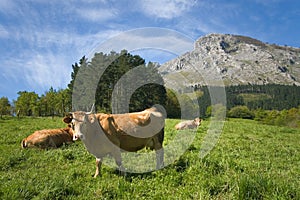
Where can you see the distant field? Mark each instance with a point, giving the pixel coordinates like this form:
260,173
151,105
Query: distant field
250,161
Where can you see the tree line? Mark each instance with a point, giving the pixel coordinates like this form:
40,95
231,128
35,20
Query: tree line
265,97
51,103
122,82
269,104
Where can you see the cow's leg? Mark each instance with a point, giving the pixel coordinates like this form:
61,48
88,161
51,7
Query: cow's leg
98,167
159,150
121,168
118,159
159,158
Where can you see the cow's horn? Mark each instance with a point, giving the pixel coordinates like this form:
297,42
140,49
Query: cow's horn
91,109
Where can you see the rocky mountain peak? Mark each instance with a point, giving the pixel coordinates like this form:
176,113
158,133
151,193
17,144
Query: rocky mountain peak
237,60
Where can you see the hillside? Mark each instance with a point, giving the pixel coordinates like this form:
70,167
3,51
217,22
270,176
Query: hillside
235,60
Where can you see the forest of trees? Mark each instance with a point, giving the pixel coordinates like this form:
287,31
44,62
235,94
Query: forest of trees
265,97
121,82
100,80
270,104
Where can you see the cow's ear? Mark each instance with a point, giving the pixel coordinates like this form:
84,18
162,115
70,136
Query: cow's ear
68,118
92,118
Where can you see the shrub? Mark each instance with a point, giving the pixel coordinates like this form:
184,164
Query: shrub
241,112
288,118
216,111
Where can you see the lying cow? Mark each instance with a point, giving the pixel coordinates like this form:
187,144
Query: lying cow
105,134
190,124
49,138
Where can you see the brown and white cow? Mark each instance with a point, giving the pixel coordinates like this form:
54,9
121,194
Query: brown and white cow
104,134
189,124
48,138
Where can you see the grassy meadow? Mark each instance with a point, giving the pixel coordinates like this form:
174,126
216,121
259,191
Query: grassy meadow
250,161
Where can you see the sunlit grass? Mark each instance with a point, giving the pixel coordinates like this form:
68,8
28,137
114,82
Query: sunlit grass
250,161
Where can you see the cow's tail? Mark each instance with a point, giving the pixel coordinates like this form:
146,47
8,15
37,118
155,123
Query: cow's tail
24,144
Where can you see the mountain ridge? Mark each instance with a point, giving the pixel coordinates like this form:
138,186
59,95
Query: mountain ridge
234,60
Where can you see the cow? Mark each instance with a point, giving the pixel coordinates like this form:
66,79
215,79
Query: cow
48,138
104,134
190,124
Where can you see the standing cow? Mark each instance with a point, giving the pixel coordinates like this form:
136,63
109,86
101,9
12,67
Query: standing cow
48,138
190,124
104,134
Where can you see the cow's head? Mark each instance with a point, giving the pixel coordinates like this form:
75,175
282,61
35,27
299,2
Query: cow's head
79,121
197,121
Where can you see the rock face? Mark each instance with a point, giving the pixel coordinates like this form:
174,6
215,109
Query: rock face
236,60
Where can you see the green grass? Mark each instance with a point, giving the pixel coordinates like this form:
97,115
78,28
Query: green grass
250,161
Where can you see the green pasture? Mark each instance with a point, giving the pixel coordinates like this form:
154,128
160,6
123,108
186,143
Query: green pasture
250,161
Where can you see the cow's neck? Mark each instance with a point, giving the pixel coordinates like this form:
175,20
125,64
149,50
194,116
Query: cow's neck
93,135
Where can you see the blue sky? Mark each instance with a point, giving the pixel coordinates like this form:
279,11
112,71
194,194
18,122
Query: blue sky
40,39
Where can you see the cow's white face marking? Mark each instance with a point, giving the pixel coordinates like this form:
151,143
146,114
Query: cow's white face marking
79,125
197,121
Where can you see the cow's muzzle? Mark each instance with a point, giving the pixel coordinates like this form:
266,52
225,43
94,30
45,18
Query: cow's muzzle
78,136
75,137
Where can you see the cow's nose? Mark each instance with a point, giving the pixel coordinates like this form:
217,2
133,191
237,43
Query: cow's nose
75,137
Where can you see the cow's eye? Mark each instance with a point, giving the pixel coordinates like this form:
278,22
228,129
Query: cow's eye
72,126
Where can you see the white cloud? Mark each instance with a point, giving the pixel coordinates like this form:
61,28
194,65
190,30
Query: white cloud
6,6
62,41
38,71
268,2
3,32
209,17
46,70
92,10
166,9
97,15
148,38
48,62
11,70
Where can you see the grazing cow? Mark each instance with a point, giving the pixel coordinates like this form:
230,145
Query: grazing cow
105,134
49,138
190,124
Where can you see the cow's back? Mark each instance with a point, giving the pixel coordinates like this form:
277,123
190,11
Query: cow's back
48,138
184,125
130,131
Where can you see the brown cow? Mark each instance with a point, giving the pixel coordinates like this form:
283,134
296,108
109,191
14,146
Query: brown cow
190,124
105,134
48,138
